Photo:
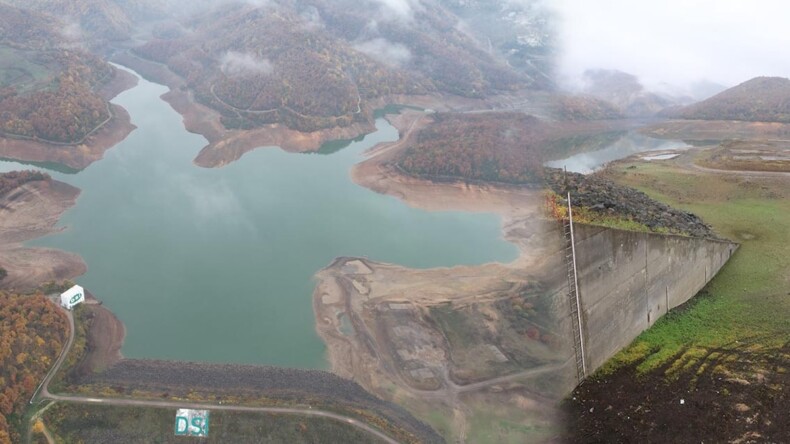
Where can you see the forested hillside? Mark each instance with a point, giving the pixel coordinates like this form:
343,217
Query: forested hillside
26,29
262,68
624,91
48,88
32,333
762,99
575,108
499,147
318,64
92,20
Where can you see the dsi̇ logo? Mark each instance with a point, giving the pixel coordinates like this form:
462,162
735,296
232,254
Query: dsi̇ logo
192,423
76,298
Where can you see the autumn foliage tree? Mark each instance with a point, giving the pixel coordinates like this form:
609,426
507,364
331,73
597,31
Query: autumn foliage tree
499,147
32,333
64,113
48,89
256,67
13,179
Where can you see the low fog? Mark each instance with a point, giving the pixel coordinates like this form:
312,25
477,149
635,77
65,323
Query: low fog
675,42
236,63
393,54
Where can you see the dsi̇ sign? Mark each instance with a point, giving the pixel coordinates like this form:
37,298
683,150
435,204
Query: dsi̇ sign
72,297
192,423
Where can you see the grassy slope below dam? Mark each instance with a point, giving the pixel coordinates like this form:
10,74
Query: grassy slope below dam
725,354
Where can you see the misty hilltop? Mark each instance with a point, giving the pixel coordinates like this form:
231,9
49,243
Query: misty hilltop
762,99
319,64
625,92
49,87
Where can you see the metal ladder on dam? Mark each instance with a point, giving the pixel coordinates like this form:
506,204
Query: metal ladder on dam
573,294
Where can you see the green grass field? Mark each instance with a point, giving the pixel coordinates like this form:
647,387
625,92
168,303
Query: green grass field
73,423
24,70
747,302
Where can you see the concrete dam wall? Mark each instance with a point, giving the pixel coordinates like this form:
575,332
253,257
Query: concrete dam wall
628,280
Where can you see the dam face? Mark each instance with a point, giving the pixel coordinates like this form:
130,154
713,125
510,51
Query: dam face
628,280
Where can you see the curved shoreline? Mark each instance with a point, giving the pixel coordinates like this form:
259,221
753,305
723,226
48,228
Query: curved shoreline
363,309
29,212
228,145
519,223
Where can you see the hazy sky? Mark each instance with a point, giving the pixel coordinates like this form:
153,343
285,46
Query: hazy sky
676,41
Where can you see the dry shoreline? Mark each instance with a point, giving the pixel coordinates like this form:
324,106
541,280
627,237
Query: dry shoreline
93,148
31,211
352,295
104,338
28,212
228,145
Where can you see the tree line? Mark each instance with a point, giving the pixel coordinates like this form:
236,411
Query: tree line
498,147
13,179
32,334
64,112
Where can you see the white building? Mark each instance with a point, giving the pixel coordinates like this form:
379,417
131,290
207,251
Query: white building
72,297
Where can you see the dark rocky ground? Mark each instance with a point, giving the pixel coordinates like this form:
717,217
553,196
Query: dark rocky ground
607,198
750,403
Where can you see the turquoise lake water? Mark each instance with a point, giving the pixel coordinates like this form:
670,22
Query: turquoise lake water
217,264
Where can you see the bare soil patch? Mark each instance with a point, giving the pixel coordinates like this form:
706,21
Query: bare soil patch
105,336
28,212
749,155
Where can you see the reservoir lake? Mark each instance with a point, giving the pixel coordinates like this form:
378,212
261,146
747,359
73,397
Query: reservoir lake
622,146
216,264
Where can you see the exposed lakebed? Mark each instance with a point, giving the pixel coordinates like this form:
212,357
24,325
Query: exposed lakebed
217,264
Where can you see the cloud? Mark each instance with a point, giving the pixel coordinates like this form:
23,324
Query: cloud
384,51
311,18
398,9
258,3
213,203
72,32
674,41
242,63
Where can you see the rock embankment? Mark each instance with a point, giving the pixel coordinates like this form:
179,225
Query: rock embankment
609,199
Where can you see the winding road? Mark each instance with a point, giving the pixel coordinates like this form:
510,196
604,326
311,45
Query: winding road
42,393
694,166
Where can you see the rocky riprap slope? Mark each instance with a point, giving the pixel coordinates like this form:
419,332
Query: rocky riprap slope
607,198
